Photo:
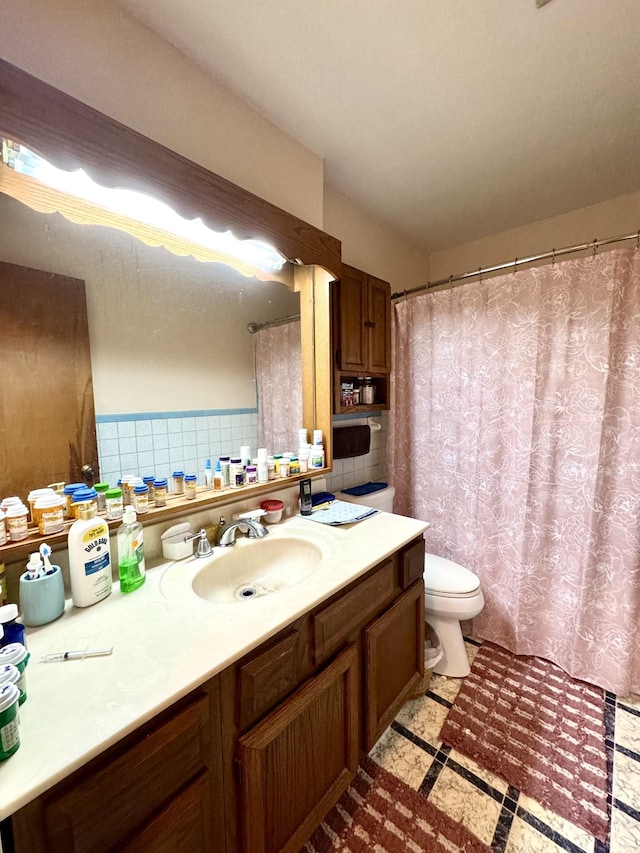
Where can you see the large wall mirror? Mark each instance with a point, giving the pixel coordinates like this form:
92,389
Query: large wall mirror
174,342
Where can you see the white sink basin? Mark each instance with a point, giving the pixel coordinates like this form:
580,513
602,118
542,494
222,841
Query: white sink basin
250,570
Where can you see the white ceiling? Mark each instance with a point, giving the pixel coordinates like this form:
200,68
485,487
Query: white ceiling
448,120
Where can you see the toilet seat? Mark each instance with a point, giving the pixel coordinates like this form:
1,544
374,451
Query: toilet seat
448,579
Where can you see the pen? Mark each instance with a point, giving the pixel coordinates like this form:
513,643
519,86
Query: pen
76,655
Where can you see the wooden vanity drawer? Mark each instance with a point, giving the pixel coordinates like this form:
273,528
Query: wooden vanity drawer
333,625
412,564
268,678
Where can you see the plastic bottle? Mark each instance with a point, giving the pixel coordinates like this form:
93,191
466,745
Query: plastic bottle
131,566
178,482
208,474
114,504
89,558
218,484
263,465
160,491
225,464
13,630
236,473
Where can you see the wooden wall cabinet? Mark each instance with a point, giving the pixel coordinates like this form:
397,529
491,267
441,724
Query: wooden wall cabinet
361,316
252,761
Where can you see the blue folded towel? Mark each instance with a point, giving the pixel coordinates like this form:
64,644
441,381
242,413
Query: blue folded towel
365,489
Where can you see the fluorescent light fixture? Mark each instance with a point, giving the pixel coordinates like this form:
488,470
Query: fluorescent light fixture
142,208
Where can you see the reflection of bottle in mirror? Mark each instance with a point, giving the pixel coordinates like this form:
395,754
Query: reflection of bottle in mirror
131,565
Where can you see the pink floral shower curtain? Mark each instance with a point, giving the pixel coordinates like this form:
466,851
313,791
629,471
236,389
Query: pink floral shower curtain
515,431
278,360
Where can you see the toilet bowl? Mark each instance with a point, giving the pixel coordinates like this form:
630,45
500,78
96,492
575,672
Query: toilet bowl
452,593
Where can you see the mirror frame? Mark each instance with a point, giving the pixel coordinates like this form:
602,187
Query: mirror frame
72,134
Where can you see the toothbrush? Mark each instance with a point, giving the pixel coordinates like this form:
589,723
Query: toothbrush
45,553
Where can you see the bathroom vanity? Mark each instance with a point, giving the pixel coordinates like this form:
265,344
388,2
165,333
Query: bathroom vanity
219,726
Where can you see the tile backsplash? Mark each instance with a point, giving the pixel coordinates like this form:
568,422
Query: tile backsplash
160,443
372,466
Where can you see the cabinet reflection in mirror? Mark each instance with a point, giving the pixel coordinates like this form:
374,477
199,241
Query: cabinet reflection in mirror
172,358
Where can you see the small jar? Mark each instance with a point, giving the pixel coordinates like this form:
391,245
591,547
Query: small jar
83,496
294,466
368,392
140,500
251,474
273,510
68,491
115,506
102,489
160,492
317,437
149,480
17,655
236,472
32,497
271,468
126,484
190,486
9,731
49,514
16,520
303,458
178,482
285,462
277,458
3,528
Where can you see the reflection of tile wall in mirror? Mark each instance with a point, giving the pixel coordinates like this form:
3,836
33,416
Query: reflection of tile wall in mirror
168,334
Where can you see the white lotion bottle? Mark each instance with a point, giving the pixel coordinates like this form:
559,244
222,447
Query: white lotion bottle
89,558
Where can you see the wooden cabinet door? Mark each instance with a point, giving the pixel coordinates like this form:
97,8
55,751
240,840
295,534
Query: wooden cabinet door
123,798
379,326
353,315
295,764
182,826
394,660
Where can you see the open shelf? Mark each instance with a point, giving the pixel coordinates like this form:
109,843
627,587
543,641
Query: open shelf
176,505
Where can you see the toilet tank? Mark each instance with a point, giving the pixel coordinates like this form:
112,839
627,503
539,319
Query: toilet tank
382,499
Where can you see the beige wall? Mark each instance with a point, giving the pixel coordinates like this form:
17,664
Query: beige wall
98,54
609,219
370,246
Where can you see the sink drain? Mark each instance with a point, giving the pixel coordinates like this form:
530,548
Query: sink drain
246,592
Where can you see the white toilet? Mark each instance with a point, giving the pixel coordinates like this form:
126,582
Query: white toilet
452,593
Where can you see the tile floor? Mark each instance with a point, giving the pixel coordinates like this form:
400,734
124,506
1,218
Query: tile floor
497,813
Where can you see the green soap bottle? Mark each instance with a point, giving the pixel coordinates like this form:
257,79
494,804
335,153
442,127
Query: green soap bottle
131,567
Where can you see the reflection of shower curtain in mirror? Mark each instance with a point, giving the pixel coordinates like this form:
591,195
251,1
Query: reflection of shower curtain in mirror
279,384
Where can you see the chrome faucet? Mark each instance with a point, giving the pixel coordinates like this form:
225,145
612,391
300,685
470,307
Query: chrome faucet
204,548
250,526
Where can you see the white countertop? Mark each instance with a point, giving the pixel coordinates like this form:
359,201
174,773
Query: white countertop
166,641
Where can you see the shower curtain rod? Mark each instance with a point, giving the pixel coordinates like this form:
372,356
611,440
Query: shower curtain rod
553,254
279,321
